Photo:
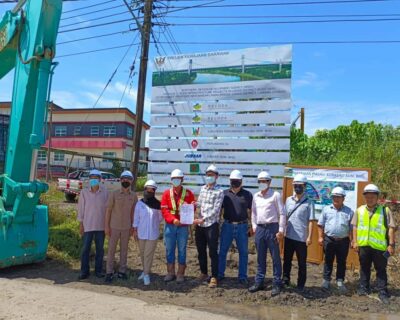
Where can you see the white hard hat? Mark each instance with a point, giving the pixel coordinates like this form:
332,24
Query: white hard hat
95,172
264,175
371,188
338,191
127,174
150,183
177,173
212,168
299,179
236,175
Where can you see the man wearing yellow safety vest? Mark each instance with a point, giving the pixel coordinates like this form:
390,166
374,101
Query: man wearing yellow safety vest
373,239
175,233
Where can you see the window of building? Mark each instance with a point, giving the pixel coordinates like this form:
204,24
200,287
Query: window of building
77,131
109,131
59,156
129,132
109,154
60,131
42,155
94,131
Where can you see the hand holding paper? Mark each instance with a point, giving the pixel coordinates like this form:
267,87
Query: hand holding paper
186,212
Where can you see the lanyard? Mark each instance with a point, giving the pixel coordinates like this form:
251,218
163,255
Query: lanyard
181,200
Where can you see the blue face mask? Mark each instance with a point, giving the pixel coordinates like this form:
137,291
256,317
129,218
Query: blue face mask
210,179
94,182
176,182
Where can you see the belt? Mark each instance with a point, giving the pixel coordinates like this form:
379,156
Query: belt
264,225
336,238
235,222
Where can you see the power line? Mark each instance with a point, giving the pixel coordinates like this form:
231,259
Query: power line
97,36
96,25
96,50
91,12
94,19
91,6
286,16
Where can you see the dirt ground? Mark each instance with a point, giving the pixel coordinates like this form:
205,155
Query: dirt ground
230,298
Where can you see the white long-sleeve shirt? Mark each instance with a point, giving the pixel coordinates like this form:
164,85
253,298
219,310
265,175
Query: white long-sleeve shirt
147,221
268,208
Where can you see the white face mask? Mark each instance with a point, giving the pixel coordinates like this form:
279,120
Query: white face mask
210,179
263,186
176,182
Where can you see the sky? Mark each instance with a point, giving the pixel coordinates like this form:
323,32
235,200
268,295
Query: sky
335,83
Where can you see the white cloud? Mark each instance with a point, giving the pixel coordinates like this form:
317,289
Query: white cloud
310,79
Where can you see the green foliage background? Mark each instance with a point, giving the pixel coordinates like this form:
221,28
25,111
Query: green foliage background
365,145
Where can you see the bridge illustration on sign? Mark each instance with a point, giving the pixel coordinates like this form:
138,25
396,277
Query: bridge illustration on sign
320,191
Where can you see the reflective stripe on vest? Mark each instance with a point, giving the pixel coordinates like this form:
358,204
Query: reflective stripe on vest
181,200
371,231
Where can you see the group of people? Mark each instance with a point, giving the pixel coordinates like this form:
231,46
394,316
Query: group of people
119,215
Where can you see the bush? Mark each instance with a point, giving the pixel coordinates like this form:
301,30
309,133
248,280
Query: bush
66,239
140,183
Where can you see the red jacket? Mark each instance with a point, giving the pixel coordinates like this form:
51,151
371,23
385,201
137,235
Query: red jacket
166,205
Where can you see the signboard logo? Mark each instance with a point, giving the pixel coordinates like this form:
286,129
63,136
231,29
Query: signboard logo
194,168
196,119
194,144
196,132
197,107
160,61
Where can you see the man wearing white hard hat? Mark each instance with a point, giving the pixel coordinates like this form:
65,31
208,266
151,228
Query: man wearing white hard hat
299,216
237,206
335,235
175,233
119,219
92,206
209,205
268,219
374,239
146,227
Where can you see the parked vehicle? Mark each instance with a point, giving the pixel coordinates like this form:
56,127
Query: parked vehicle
77,180
56,171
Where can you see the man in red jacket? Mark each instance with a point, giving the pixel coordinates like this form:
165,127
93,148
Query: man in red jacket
175,233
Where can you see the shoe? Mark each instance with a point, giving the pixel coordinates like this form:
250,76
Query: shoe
362,291
256,287
341,287
286,283
122,275
383,296
146,280
169,278
83,276
202,278
213,283
244,281
220,278
276,290
141,276
326,285
170,273
109,278
300,289
180,276
100,275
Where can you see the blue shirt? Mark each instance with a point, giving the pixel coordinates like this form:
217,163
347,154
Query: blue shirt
297,223
336,223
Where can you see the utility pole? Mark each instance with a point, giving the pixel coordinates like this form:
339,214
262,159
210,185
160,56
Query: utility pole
302,115
144,57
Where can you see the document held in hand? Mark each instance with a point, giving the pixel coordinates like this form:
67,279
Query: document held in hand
186,212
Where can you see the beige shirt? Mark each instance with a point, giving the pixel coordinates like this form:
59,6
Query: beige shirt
390,220
121,205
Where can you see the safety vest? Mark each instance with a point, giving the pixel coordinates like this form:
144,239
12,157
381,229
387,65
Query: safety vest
181,200
371,231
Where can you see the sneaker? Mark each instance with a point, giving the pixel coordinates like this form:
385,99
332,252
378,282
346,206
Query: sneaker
383,297
276,290
146,280
362,291
202,278
169,278
141,276
83,276
122,276
213,283
244,281
326,285
341,287
109,278
256,287
300,289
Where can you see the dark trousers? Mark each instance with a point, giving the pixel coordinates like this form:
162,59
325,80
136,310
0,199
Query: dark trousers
292,246
265,240
208,237
368,256
88,237
338,249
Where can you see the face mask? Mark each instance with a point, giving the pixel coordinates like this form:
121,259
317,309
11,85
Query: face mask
148,194
210,179
176,182
236,183
94,182
263,186
298,189
125,184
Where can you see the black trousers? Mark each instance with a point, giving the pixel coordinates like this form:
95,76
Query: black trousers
292,246
208,237
338,249
368,256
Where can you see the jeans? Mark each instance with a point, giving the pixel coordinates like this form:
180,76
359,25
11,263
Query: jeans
340,250
176,237
368,256
229,232
265,239
208,237
292,246
87,238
